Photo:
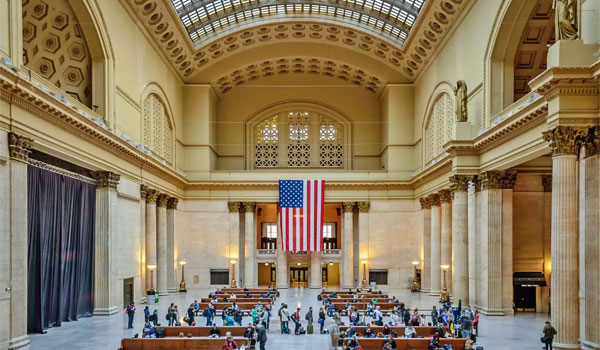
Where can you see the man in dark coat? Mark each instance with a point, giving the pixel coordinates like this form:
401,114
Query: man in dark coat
262,336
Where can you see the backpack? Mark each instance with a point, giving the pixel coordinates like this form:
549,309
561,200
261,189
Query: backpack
414,318
205,312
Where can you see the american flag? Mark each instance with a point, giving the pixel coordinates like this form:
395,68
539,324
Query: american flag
301,214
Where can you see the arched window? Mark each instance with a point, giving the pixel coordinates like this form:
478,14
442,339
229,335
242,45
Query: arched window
299,139
438,129
158,131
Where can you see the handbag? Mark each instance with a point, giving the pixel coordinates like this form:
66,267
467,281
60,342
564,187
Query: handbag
545,340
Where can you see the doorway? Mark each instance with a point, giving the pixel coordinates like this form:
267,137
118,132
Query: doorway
299,275
127,292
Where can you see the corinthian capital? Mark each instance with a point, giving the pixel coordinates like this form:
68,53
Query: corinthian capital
434,199
172,202
106,179
19,147
491,180
425,203
234,207
249,206
565,140
459,182
161,201
364,207
347,206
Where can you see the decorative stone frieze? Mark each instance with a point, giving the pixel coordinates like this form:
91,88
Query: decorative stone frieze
106,179
151,195
425,203
592,141
565,139
547,183
172,202
434,199
491,180
364,207
459,182
19,147
161,201
249,206
234,207
445,196
347,207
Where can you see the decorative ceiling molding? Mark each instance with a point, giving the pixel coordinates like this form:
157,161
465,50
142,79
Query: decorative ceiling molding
299,65
433,23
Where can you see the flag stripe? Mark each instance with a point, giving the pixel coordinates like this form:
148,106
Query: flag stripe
301,213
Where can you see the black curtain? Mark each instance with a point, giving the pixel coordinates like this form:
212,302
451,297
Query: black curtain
61,221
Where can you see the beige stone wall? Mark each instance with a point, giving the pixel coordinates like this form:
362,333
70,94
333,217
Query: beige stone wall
528,224
4,239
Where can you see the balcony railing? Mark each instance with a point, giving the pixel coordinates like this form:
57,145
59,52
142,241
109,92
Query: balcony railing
332,253
267,253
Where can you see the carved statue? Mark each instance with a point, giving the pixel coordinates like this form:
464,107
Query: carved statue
565,19
461,101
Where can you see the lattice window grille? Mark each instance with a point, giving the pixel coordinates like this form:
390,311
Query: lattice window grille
267,143
438,130
158,132
298,148
331,148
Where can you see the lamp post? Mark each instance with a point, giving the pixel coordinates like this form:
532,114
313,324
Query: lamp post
364,283
233,282
182,287
416,285
444,295
151,268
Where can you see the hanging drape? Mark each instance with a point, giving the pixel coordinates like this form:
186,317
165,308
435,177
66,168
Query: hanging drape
61,220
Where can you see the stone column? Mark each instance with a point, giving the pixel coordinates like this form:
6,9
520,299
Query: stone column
591,302
234,238
172,283
347,265
363,239
250,266
496,278
143,265
436,254
151,196
446,247
161,245
19,148
565,142
472,240
316,278
460,252
283,276
545,291
105,242
426,239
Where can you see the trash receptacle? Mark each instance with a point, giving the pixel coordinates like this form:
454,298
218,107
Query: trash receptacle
151,297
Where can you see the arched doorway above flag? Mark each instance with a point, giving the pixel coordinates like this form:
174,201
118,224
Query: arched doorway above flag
301,214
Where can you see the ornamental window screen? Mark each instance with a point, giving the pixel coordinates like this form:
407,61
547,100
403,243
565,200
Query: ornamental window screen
439,127
158,131
298,139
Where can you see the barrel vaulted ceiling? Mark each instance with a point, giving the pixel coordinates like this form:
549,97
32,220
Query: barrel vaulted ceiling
207,40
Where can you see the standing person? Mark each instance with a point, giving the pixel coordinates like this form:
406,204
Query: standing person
285,319
146,315
296,319
549,333
465,325
171,314
237,317
190,314
434,316
176,316
208,314
130,313
309,315
321,320
476,323
262,336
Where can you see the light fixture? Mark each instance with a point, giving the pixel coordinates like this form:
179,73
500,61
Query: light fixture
364,283
415,263
444,296
331,264
266,264
182,263
151,268
298,264
233,283
445,267
182,287
416,284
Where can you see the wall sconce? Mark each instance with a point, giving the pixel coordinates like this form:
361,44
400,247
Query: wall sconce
416,285
364,283
444,296
182,287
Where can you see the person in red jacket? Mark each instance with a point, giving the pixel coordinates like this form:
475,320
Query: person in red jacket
230,344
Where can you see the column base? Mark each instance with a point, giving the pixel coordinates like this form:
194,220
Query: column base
492,312
283,286
315,286
106,311
435,293
565,346
163,293
18,342
347,286
588,345
425,290
173,290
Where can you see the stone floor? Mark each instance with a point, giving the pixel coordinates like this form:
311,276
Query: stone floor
104,333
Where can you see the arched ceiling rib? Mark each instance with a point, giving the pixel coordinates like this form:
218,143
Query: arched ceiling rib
391,18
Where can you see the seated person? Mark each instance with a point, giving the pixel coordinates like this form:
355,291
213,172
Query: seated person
352,344
218,291
333,295
386,330
434,344
369,332
380,335
351,331
230,344
229,321
410,332
389,343
148,331
214,332
233,296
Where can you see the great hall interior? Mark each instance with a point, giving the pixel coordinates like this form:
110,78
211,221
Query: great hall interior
142,141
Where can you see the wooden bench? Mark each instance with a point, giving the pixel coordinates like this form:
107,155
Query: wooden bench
241,296
177,343
409,343
249,290
349,296
423,331
240,300
202,331
365,300
223,306
363,306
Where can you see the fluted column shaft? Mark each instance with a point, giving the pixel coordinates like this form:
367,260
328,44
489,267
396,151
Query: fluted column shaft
472,243
347,273
363,240
565,144
161,245
283,276
105,292
172,265
460,253
592,251
151,196
250,267
435,257
143,266
446,247
426,245
316,279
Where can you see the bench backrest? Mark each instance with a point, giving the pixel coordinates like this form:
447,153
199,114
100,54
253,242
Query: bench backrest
409,344
177,343
423,331
363,306
222,306
202,331
240,300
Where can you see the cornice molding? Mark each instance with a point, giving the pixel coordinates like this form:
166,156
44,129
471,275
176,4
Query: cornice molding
273,185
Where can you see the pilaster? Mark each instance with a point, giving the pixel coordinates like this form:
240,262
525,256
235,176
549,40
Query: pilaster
250,266
19,148
363,239
316,279
472,238
143,265
234,236
425,248
161,244
446,237
347,265
436,246
460,251
172,264
151,196
106,300
283,276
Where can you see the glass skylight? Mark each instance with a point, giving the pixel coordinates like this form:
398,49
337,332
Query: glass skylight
204,19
